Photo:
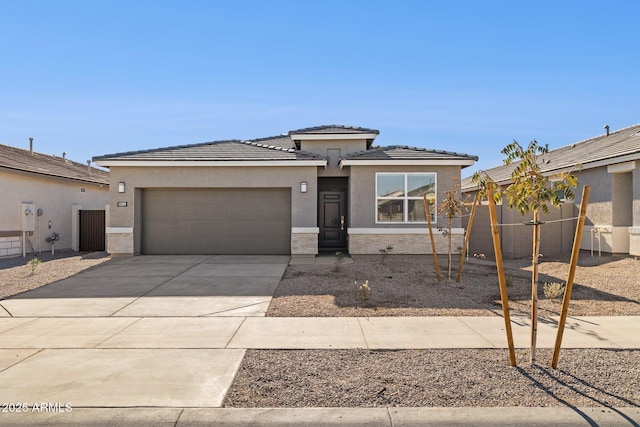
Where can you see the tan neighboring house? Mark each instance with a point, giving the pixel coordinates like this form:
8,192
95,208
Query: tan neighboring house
611,167
42,195
313,189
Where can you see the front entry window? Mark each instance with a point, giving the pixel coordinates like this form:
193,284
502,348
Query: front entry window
399,196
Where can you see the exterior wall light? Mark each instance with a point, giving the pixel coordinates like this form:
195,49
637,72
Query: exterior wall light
303,187
121,187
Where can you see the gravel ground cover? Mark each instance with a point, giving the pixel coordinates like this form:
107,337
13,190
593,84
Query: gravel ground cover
407,286
435,378
16,273
403,285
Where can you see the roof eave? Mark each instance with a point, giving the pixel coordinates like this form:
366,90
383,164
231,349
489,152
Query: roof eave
331,136
87,180
407,162
210,163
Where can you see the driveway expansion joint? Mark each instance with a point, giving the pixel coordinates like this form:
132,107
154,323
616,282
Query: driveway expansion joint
5,309
234,333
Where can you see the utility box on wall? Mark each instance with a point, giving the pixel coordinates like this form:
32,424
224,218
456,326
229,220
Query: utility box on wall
28,217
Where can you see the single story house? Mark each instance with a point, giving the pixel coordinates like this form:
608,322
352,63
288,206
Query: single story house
42,195
313,189
611,167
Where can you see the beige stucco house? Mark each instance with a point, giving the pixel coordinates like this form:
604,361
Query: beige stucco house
611,167
313,189
43,194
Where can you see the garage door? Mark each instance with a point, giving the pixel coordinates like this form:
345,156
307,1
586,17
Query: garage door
216,221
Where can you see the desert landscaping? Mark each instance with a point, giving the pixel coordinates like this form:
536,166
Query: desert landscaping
404,285
407,286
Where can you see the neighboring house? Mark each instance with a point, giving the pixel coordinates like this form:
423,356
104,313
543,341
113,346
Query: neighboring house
611,167
320,188
41,195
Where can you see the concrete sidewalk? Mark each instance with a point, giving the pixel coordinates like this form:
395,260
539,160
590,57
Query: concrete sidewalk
185,362
309,332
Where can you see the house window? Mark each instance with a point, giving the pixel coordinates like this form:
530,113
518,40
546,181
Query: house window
560,193
399,197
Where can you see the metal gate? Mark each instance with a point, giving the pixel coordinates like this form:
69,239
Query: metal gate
92,231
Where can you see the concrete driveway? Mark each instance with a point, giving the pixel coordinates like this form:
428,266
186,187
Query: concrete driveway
149,331
159,286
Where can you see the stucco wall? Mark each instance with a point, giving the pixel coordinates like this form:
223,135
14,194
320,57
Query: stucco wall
55,197
599,211
634,232
622,199
516,238
303,209
362,193
325,148
321,146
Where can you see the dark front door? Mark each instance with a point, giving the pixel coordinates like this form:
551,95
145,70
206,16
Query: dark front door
92,231
332,209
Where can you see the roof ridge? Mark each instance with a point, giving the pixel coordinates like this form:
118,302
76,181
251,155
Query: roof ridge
282,135
408,147
572,144
431,150
346,127
173,147
270,147
53,157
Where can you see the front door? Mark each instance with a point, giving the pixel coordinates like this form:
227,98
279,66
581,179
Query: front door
332,218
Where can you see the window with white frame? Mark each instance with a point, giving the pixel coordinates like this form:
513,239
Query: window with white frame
399,197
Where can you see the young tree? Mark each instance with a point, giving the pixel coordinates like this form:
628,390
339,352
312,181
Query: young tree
531,191
451,207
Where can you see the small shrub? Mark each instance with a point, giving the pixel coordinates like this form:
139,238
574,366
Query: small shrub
33,264
338,263
363,292
509,280
553,290
384,253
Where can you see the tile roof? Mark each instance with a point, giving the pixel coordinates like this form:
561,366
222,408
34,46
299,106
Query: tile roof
602,148
18,159
333,129
229,150
283,141
403,152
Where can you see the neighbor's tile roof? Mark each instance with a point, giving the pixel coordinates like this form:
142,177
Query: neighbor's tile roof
329,129
402,152
601,148
18,159
229,150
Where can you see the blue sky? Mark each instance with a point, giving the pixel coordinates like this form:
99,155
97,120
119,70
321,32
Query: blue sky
98,77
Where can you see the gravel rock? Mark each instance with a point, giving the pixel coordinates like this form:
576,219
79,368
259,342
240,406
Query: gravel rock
405,285
434,378
16,274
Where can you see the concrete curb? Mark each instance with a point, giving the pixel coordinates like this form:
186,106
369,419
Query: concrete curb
392,417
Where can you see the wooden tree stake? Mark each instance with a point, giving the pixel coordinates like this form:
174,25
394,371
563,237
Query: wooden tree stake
575,252
501,278
534,284
467,235
427,213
